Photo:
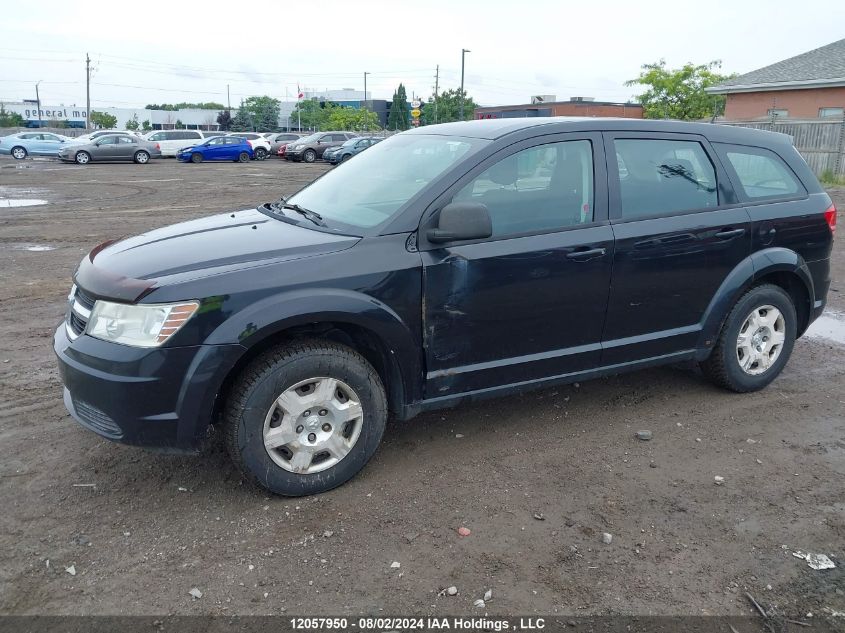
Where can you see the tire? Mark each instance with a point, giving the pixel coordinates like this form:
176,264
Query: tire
243,157
309,156
345,158
724,365
196,157
252,409
19,153
141,157
82,158
260,153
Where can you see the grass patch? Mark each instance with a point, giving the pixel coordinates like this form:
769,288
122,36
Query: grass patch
829,179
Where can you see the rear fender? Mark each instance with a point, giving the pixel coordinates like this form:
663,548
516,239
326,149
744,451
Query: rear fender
742,277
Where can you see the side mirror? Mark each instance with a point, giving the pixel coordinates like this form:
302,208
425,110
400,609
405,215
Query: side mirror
461,221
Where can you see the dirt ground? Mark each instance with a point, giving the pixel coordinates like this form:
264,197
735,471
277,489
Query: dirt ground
141,530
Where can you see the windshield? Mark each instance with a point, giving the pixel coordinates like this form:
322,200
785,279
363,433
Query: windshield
368,191
310,139
350,142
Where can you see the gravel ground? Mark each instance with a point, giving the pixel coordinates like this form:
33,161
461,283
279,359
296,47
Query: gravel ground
141,530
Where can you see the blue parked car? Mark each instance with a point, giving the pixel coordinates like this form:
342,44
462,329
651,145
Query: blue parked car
218,148
23,144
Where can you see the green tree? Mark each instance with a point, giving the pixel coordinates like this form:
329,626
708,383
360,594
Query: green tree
447,108
340,118
224,120
10,119
264,112
398,117
179,124
145,125
678,93
103,120
311,114
243,121
132,124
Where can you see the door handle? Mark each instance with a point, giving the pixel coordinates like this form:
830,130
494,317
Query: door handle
586,254
726,234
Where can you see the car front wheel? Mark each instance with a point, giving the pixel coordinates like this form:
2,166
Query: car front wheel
305,417
196,157
755,342
83,158
309,156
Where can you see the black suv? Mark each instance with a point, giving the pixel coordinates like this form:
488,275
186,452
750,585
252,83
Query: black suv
445,264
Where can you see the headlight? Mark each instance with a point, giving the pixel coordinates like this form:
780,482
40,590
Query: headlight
298,146
138,325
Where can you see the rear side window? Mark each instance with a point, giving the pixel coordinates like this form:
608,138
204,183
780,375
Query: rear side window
663,177
761,172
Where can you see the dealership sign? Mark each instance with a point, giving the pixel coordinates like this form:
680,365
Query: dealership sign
30,112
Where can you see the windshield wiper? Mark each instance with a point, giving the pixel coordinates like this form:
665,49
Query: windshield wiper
315,217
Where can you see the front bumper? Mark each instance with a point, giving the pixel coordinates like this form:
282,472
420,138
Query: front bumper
159,398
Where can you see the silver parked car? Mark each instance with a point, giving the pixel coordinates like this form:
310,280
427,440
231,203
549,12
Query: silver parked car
112,147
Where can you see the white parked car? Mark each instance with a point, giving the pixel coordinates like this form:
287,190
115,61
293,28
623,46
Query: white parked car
260,145
171,141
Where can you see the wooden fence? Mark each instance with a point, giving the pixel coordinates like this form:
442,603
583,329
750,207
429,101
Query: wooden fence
821,142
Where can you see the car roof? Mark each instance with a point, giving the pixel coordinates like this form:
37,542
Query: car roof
493,129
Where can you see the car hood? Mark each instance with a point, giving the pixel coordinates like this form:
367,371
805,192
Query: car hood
129,268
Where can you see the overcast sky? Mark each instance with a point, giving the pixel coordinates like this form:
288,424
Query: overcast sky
154,51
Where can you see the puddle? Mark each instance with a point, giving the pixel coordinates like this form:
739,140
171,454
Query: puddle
829,326
33,248
6,203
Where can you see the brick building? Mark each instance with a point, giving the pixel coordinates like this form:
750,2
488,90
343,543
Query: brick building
807,86
577,106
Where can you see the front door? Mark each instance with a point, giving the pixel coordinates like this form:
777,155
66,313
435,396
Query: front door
529,302
678,236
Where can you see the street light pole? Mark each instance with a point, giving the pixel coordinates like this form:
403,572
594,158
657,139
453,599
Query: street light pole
38,101
464,51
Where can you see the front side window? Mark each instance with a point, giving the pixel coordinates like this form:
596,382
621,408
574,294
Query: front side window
370,190
543,188
761,172
664,177
107,140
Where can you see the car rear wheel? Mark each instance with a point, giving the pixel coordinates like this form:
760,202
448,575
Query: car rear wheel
83,158
305,417
19,153
243,157
142,157
196,157
309,156
755,342
260,153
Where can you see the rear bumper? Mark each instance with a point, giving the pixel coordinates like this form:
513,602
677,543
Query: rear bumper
159,398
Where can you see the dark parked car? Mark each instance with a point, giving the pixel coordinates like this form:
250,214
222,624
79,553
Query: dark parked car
445,264
232,148
351,147
312,147
110,148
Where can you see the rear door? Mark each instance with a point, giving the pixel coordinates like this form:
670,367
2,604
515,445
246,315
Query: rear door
529,302
679,232
127,147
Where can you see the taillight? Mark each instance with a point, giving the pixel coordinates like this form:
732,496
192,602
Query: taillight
830,218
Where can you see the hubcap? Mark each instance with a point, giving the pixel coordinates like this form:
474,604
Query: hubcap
760,340
19,153
313,425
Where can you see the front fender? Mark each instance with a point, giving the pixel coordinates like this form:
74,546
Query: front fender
751,269
286,310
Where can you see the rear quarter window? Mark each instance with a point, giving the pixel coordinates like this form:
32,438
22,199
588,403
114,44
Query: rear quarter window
760,173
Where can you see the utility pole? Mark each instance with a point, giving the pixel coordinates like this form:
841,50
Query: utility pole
38,101
87,92
436,88
228,100
464,51
365,89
